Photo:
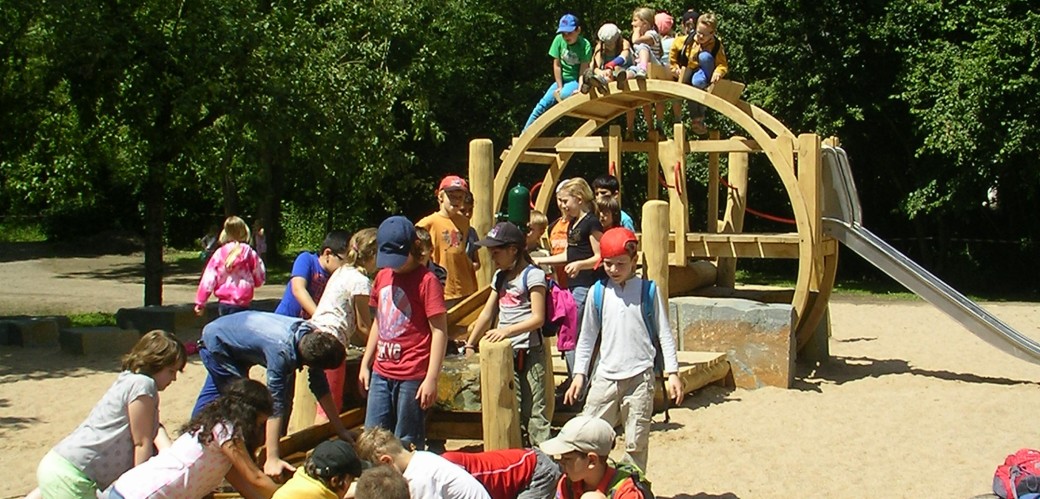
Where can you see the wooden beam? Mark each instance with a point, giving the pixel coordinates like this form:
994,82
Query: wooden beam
733,220
482,185
713,186
729,145
614,154
500,416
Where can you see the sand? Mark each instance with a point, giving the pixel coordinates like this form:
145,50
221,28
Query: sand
910,404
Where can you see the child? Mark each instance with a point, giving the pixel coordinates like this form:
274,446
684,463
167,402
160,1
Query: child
557,245
328,473
519,307
310,272
471,236
582,447
259,238
582,256
429,475
449,228
613,52
426,244
382,482
571,55
233,271
232,344
705,61
664,23
218,442
607,186
403,360
624,376
646,42
609,212
519,473
123,430
536,227
343,309
679,55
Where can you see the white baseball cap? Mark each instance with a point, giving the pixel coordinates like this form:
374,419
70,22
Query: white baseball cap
582,434
608,32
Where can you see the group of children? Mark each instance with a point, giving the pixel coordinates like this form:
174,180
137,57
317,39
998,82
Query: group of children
695,57
376,289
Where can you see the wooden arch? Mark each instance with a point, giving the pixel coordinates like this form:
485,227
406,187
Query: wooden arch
815,270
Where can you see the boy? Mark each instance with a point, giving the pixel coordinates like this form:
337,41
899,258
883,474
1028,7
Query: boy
536,227
382,482
582,448
509,473
232,344
704,60
328,473
310,272
403,360
571,55
471,236
448,230
607,186
624,376
426,244
609,212
429,476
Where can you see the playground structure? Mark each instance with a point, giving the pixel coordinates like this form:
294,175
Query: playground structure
824,203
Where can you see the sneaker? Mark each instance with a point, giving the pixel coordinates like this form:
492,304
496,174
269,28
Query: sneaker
586,80
639,73
599,82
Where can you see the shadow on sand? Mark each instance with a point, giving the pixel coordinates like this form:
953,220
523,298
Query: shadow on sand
841,370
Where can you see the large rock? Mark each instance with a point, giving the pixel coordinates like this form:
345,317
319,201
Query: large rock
32,332
103,340
758,338
458,388
177,319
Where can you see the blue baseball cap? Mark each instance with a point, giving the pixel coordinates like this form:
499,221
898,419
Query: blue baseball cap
395,238
568,23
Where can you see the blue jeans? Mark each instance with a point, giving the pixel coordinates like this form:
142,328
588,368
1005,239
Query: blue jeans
225,309
392,405
549,100
221,371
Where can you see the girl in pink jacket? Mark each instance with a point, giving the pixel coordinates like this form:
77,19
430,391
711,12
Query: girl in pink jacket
233,271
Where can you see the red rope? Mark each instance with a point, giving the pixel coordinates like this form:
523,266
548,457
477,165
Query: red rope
678,183
661,180
757,213
612,169
530,195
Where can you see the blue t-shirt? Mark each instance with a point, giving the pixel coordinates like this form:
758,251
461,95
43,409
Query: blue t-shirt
626,221
308,267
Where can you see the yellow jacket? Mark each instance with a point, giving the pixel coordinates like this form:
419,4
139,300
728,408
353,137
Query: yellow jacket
721,63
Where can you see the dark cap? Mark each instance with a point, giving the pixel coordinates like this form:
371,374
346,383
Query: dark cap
503,234
333,458
690,15
395,238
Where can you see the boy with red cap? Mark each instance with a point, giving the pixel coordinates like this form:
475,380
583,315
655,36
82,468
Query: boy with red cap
449,229
622,389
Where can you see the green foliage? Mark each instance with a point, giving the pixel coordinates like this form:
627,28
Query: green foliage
93,319
21,230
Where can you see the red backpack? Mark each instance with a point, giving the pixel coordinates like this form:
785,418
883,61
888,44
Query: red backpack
1019,476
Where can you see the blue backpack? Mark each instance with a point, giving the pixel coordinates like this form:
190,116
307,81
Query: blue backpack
646,306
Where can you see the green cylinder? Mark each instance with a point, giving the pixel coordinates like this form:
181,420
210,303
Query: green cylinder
518,206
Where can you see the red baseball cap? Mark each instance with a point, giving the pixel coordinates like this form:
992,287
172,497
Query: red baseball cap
612,244
453,183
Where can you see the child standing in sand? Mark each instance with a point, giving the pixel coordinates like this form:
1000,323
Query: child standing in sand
233,272
122,430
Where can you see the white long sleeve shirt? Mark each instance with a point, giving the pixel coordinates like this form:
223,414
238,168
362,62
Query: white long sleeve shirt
626,349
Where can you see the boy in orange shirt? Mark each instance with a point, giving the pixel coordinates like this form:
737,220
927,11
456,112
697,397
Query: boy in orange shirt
449,229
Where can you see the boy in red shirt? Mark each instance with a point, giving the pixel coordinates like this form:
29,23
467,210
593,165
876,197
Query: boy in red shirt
582,448
509,473
403,360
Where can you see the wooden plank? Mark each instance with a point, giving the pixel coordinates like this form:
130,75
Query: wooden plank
713,186
307,439
730,145
464,309
727,90
444,425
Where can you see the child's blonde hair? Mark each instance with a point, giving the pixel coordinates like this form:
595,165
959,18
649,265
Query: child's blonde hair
578,188
155,350
645,14
361,247
538,219
235,229
708,19
375,442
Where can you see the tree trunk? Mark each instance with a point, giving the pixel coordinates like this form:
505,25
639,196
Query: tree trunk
272,153
154,223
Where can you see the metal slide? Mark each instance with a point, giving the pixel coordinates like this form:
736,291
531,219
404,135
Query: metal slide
842,221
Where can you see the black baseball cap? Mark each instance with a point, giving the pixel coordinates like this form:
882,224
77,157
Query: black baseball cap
335,458
503,234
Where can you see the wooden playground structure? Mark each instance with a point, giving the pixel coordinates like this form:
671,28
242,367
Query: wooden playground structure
682,260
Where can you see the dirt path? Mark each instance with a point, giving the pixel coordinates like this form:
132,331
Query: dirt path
911,404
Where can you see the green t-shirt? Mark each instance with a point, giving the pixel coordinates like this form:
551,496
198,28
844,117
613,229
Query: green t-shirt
571,56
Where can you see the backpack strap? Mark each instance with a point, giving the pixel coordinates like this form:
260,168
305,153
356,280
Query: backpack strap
597,298
717,47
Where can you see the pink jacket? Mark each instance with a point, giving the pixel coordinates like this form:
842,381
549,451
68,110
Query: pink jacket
565,313
232,283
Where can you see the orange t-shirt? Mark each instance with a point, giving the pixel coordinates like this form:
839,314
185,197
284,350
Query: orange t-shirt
449,251
557,245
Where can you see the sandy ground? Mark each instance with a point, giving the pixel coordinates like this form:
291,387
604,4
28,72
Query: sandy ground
911,404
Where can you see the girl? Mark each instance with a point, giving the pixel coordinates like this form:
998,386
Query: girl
646,42
609,212
122,430
519,306
343,309
405,353
582,256
233,271
218,442
613,52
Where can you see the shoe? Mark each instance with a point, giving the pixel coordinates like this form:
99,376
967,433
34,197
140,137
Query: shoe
586,80
639,73
600,82
621,78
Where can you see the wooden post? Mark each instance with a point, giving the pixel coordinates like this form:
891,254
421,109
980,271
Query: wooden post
733,222
482,185
655,245
713,186
499,413
678,199
305,406
810,182
614,153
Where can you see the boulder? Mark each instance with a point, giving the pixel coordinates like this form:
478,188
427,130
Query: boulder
758,338
458,388
103,340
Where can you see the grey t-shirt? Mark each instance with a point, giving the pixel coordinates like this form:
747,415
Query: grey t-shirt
514,302
102,445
